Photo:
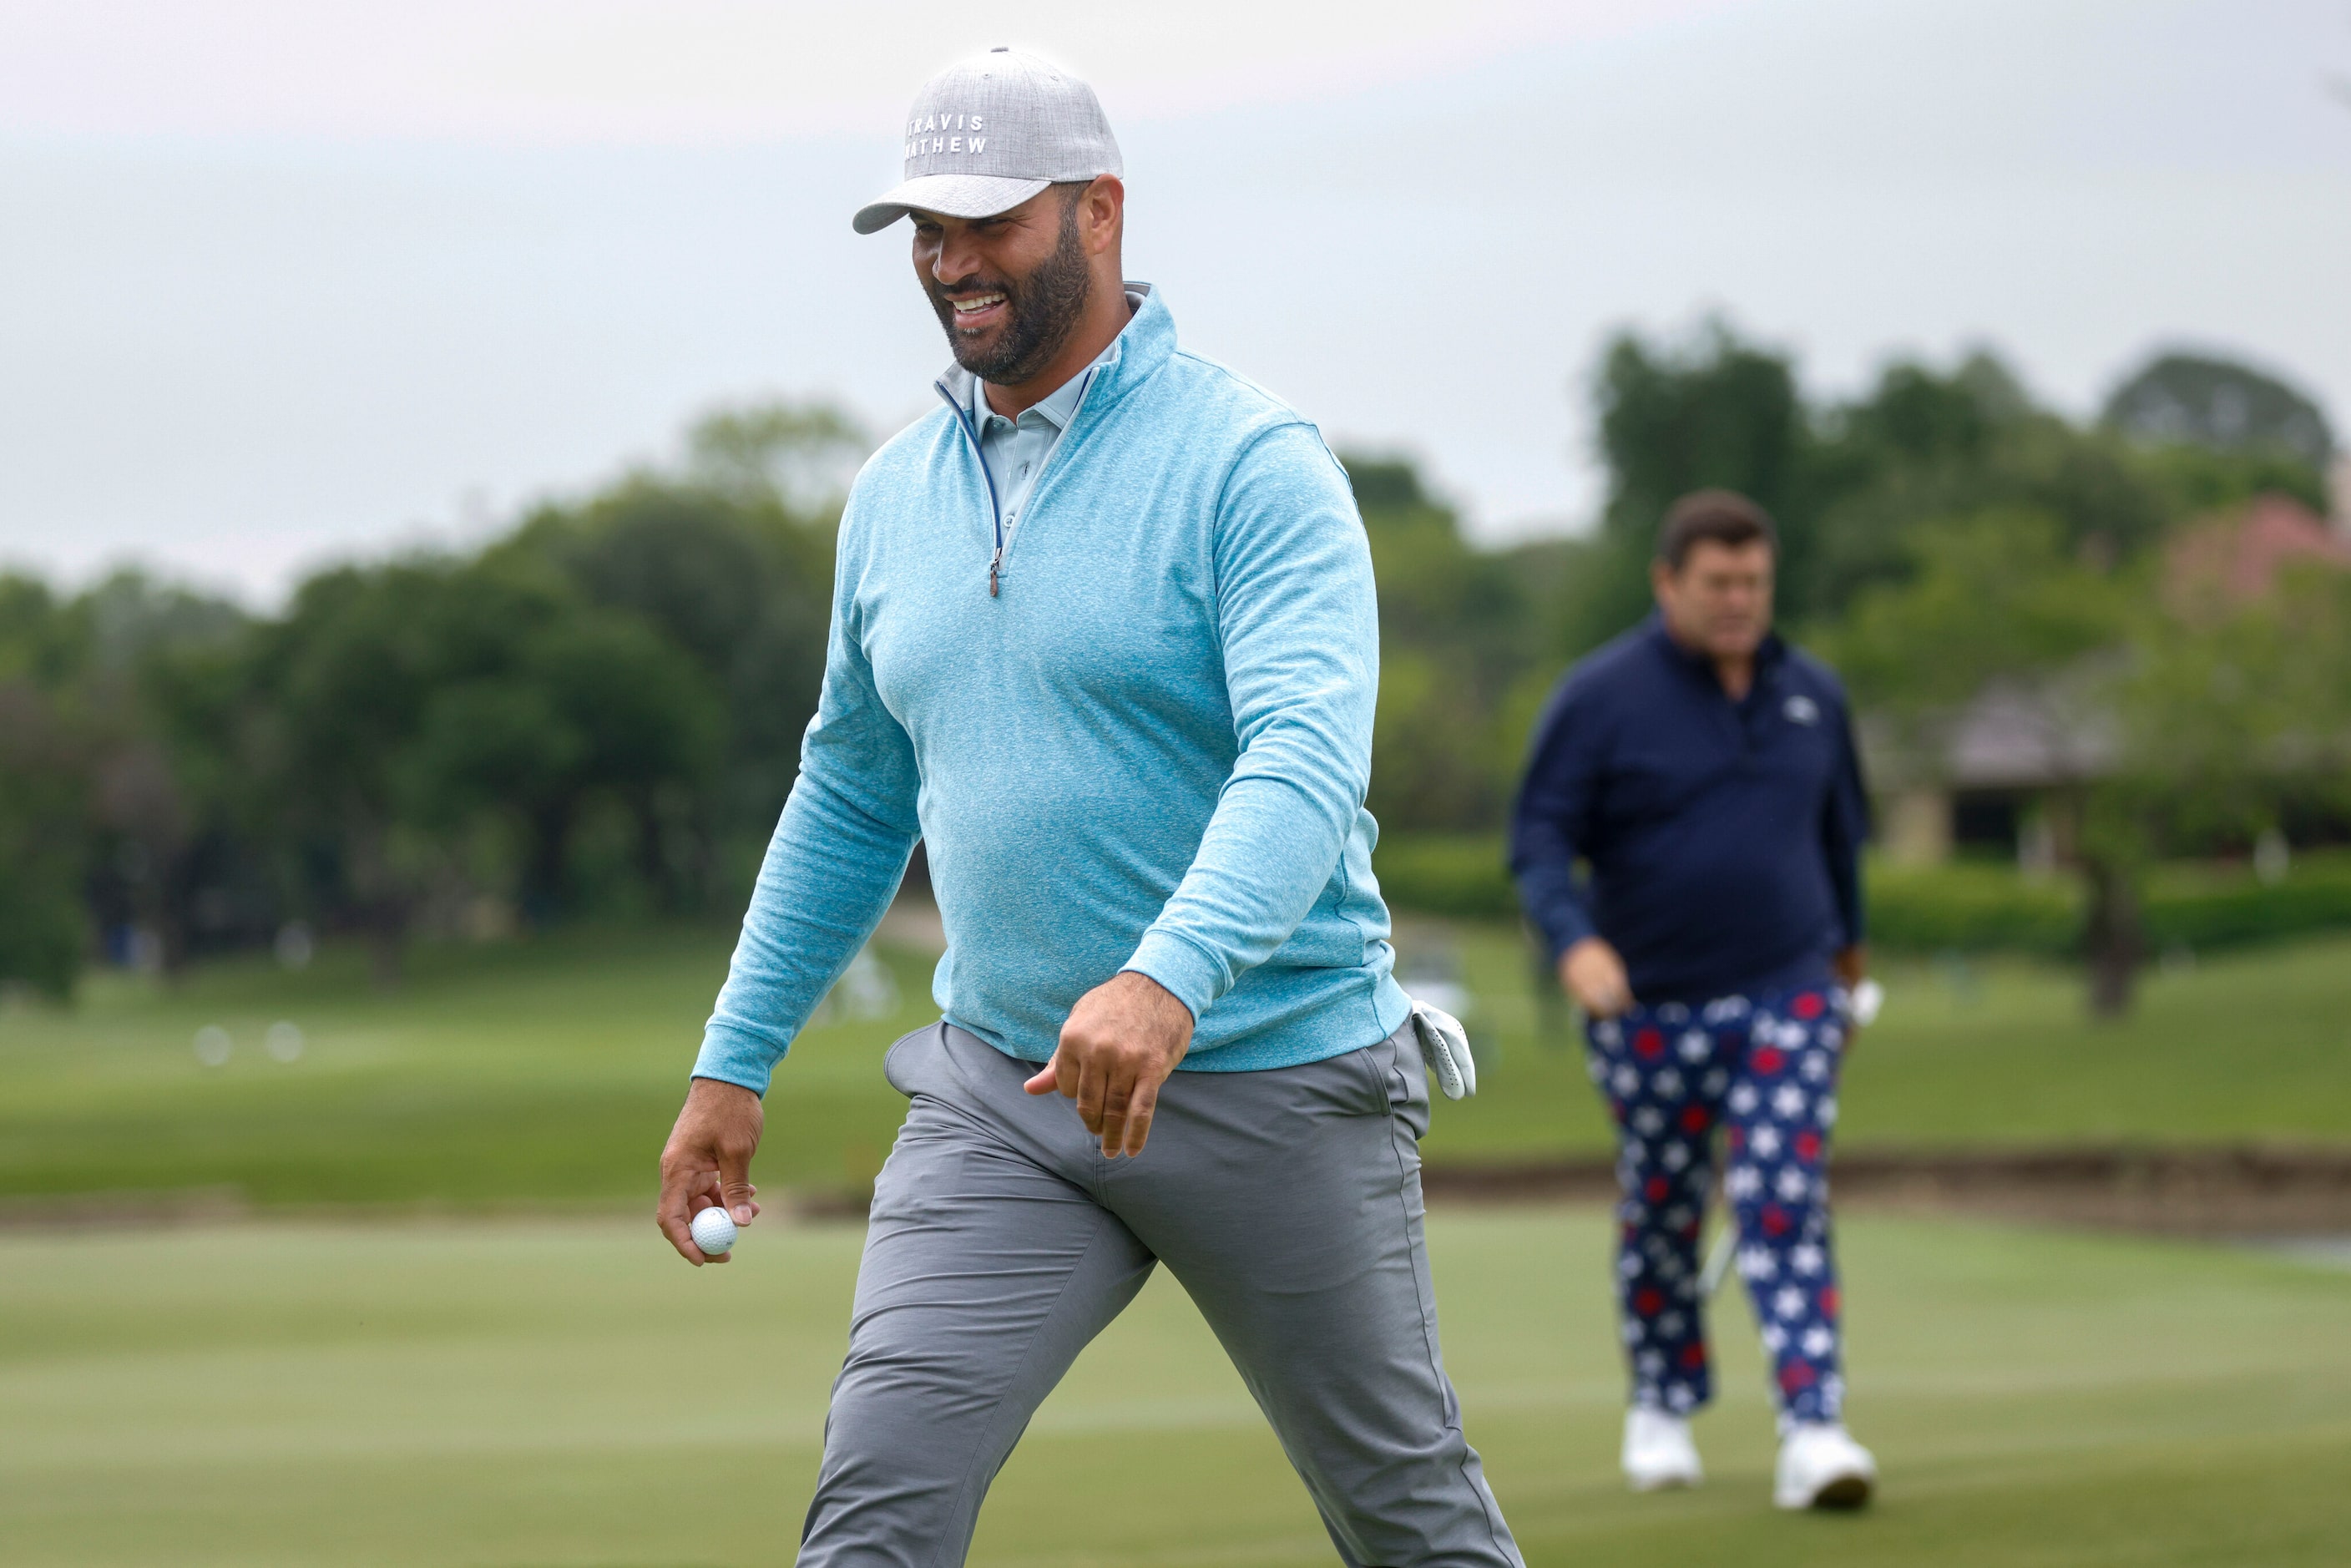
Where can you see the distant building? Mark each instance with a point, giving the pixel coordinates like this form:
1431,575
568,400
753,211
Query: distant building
1989,775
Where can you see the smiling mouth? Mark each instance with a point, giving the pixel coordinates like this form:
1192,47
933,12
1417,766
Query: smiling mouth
976,310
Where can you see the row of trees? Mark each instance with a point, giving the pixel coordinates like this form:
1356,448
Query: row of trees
602,709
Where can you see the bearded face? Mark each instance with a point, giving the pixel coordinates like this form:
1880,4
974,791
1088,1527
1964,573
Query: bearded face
1005,325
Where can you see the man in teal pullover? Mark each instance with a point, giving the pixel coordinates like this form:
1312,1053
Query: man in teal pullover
1103,638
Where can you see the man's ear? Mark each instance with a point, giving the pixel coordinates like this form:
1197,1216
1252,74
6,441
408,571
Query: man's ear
1105,212
1661,578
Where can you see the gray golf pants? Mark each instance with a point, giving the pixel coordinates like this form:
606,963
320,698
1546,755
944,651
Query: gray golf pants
1288,1204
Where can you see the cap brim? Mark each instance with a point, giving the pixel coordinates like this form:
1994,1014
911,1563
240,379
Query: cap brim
957,196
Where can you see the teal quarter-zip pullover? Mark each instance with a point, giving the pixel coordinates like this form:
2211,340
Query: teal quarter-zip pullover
1135,734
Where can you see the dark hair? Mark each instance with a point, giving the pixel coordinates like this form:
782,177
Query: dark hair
1712,516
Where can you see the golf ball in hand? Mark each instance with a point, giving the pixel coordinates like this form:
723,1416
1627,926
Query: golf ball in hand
714,1231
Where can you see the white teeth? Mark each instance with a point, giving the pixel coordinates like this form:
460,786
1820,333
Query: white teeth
970,307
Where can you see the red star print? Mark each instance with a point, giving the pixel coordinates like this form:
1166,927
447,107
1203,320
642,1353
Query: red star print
1694,1119
1648,1301
1808,1146
1693,1356
1657,1188
1795,1376
1829,1299
1769,1059
1775,1220
1649,1044
1808,1006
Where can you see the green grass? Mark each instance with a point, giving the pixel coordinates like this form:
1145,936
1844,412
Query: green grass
547,1072
562,1392
532,1073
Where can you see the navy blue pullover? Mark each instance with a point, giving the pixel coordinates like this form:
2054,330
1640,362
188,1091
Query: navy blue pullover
1724,838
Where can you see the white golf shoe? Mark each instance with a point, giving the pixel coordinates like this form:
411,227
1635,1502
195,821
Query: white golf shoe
1659,1452
1822,1467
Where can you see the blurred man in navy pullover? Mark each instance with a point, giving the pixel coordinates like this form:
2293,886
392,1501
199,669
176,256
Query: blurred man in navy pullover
1706,774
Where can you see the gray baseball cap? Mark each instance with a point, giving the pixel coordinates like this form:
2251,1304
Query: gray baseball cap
991,132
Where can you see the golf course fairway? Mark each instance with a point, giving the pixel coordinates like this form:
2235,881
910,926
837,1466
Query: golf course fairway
523,1391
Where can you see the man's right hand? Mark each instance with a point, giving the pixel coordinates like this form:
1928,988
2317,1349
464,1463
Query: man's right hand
708,1162
1593,975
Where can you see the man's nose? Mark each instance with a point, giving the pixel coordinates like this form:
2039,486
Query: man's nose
957,259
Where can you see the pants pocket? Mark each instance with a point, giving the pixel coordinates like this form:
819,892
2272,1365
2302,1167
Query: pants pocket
924,1175
903,1075
1401,1079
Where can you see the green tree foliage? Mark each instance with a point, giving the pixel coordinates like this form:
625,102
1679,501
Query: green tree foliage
623,679
1671,418
2240,715
100,835
1921,448
1850,482
800,456
42,798
1457,631
2198,481
1714,411
2194,400
2162,724
1992,599
741,583
1997,604
557,705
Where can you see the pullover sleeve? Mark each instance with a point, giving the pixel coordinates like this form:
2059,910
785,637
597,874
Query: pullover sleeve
1298,621
831,870
1552,823
1845,828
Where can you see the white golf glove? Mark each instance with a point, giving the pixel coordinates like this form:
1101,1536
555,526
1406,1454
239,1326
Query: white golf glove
1444,1046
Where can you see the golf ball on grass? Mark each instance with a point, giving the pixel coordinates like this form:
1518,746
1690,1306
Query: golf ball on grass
714,1231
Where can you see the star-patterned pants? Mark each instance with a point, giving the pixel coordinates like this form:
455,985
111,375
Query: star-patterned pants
1763,1069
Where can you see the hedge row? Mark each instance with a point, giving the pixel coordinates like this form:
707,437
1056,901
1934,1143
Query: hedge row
1964,907
2199,906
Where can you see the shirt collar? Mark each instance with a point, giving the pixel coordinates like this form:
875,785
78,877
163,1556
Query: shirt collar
1056,406
1767,653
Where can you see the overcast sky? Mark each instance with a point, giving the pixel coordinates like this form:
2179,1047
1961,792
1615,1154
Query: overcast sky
282,282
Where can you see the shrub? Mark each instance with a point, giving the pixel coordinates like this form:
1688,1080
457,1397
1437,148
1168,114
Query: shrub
2225,906
1971,908
1964,907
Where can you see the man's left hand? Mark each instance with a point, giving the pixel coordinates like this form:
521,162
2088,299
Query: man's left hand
1122,1040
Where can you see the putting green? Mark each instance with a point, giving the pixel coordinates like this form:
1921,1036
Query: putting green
564,1393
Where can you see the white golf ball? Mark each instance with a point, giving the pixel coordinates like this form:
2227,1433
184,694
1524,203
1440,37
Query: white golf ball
714,1231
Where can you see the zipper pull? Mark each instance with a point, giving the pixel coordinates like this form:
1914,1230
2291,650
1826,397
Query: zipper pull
992,563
